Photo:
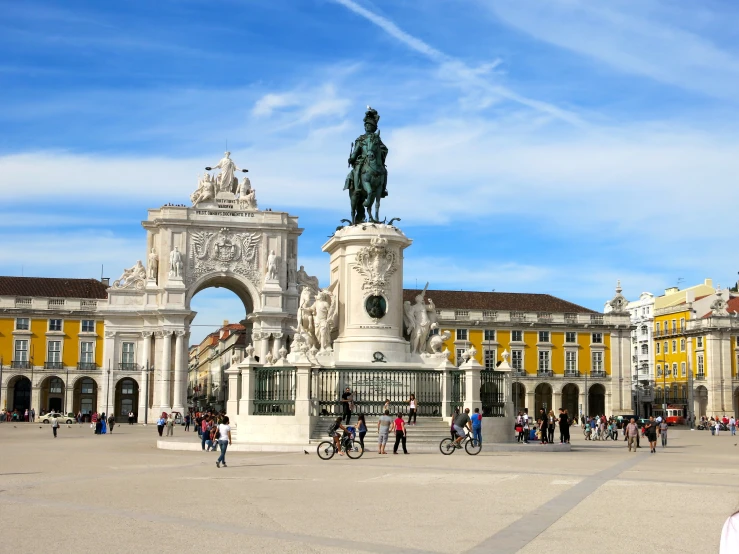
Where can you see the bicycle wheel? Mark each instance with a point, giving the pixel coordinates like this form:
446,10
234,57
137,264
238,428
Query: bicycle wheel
326,450
472,447
354,454
446,446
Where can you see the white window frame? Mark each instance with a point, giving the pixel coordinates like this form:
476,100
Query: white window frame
574,333
61,325
644,349
513,339
22,351
28,323
548,337
682,345
700,369
82,325
699,342
459,352
600,337
657,350
124,353
461,332
659,370
54,356
570,358
545,360
517,364
674,347
91,352
486,335
596,361
683,369
490,358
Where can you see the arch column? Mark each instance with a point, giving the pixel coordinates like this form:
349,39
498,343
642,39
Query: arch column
145,365
164,384
277,345
180,374
556,399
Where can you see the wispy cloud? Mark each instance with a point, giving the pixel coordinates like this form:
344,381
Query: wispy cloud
462,74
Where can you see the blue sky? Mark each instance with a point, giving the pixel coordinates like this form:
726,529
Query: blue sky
544,146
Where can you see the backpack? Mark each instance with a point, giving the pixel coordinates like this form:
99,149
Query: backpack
332,429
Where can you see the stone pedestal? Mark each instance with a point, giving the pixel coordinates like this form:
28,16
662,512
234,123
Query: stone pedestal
366,271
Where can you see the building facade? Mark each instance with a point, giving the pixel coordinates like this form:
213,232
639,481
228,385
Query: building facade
642,318
51,346
562,354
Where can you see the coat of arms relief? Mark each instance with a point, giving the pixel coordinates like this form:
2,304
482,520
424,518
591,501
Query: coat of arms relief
224,251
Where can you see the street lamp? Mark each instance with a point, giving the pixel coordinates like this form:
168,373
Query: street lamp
149,370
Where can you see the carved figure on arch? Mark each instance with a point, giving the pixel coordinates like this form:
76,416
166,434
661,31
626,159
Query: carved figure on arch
247,195
226,181
436,342
273,266
206,190
153,265
305,280
325,317
306,325
133,277
175,263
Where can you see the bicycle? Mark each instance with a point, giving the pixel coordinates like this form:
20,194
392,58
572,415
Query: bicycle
471,446
327,449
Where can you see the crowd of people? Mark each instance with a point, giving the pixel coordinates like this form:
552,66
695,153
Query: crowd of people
544,427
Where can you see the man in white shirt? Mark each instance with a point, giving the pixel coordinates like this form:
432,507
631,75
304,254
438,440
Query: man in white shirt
224,439
54,424
732,425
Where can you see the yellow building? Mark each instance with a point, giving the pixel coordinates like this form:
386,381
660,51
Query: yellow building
51,344
558,350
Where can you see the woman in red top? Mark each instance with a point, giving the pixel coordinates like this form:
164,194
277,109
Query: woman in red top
399,425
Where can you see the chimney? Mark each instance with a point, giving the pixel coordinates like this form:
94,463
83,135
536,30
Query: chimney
225,322
671,290
708,282
689,296
105,281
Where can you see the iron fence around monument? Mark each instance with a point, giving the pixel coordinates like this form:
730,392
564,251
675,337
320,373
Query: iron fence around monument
274,391
457,394
492,393
371,388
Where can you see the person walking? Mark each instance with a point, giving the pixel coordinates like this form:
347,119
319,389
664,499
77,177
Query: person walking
224,440
526,427
399,426
204,433
383,430
361,429
54,424
33,415
543,425
717,425
161,422
103,424
476,419
111,422
170,426
412,409
564,426
519,427
650,430
632,431
347,402
732,425
130,417
187,422
663,433
25,416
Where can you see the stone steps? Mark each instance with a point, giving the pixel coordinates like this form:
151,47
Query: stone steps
427,430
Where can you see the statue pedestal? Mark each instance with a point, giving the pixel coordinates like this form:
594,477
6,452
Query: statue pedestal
367,262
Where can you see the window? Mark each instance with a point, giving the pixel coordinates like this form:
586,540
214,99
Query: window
517,336
517,359
700,364
56,385
434,331
665,347
88,326
490,358
682,369
597,338
459,358
657,348
674,346
674,324
87,386
644,330
659,370
127,387
86,352
21,351
489,334
597,361
55,325
674,369
544,360
55,351
570,361
644,349
682,345
22,324
543,336
461,334
127,354
699,342
682,323
570,336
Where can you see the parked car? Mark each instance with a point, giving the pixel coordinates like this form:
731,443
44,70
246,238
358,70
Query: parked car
46,418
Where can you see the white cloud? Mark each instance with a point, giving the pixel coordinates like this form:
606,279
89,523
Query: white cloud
648,39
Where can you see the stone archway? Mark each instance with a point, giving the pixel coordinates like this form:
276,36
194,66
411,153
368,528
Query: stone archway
542,398
85,396
571,399
52,391
597,400
518,396
126,399
700,400
19,394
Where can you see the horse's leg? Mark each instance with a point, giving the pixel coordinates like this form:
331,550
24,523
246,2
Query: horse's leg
377,208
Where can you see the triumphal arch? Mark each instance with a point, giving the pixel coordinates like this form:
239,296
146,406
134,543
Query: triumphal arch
221,240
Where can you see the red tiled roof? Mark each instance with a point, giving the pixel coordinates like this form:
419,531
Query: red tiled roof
52,287
732,306
505,301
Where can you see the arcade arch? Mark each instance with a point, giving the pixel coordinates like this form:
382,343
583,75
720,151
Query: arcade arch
518,396
571,399
597,400
542,398
19,394
126,398
85,396
52,390
700,399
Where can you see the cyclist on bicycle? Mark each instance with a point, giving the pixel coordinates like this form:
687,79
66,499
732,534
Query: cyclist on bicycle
461,423
333,431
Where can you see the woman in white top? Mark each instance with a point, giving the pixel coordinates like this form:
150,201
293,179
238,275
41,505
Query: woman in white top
412,406
730,536
224,439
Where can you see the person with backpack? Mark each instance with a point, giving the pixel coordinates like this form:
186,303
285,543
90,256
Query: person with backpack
333,432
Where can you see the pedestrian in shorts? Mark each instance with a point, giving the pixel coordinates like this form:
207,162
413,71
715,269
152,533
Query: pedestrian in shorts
383,430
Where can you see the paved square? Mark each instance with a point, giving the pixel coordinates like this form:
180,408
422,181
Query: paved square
118,493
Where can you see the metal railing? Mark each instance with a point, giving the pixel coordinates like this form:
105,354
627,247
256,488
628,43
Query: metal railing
598,373
371,388
87,366
128,366
274,391
700,377
53,365
458,392
572,373
544,373
20,364
492,393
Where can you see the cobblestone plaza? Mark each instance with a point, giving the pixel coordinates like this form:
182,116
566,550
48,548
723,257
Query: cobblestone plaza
119,493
